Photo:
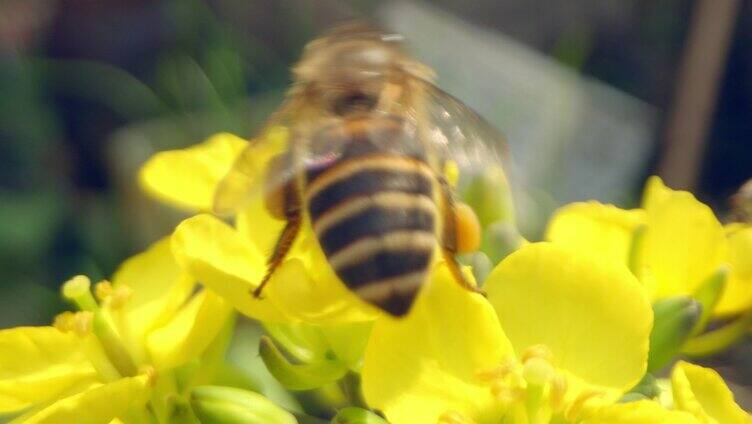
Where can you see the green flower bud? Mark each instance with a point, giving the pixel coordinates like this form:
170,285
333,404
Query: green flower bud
708,294
673,323
299,376
228,405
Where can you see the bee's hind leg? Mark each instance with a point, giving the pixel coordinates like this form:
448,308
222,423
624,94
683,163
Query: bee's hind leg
455,234
291,210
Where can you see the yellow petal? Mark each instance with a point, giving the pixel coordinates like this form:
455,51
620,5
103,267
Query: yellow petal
189,333
655,193
258,225
684,242
217,256
314,294
641,412
592,314
417,368
159,287
737,296
41,363
602,229
187,178
97,405
703,393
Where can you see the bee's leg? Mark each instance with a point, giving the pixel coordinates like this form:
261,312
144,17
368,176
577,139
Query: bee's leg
459,225
289,204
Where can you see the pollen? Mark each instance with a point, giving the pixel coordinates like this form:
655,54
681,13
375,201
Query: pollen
114,297
467,227
76,322
103,290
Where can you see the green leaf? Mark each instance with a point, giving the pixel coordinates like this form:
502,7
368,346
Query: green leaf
673,323
299,376
353,415
228,405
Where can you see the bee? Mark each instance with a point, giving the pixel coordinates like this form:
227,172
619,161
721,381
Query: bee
370,140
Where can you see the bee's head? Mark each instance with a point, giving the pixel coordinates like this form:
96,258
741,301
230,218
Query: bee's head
350,64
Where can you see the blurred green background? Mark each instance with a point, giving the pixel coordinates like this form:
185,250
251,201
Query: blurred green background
89,89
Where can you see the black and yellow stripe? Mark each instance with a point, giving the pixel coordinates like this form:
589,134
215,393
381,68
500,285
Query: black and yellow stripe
375,216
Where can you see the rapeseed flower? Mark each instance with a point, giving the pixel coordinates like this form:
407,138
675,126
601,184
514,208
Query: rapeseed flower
673,243
562,336
676,246
130,354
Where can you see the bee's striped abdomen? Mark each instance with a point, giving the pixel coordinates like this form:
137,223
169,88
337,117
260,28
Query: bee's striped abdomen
375,218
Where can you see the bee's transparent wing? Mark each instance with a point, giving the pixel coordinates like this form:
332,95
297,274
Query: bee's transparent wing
249,175
460,136
277,156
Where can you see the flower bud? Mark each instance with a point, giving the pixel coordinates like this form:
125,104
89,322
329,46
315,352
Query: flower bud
299,376
674,320
229,405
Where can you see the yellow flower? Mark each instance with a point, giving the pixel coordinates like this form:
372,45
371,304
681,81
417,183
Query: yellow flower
673,243
703,393
232,261
117,352
562,336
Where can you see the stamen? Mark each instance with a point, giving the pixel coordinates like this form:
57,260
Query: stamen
103,290
77,322
113,297
557,392
497,373
537,351
575,410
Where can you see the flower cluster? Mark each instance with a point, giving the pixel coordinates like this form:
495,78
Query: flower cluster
588,326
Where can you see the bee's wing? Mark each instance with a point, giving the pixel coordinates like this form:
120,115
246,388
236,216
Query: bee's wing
459,135
249,177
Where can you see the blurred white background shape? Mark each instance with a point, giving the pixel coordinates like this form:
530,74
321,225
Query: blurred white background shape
571,137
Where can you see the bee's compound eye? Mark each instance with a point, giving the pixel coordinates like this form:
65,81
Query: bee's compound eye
467,228
353,102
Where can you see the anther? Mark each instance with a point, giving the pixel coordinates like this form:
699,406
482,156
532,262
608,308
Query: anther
114,297
103,290
537,351
497,373
77,322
